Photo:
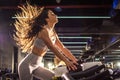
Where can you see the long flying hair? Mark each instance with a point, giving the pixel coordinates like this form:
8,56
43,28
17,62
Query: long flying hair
26,26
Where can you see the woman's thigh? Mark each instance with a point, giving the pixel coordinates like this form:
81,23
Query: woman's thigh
24,73
43,73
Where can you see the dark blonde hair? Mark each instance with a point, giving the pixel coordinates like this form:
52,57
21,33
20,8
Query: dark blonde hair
28,23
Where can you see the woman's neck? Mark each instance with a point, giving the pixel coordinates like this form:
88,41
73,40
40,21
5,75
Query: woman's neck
51,26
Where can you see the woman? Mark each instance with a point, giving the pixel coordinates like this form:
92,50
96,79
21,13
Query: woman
34,35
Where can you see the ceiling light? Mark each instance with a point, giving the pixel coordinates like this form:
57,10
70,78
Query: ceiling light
58,9
58,1
74,17
75,37
74,42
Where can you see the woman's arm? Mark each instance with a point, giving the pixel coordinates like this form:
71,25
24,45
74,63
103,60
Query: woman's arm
64,50
45,35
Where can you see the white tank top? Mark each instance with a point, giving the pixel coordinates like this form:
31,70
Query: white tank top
41,44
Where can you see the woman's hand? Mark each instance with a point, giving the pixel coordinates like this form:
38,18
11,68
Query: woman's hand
75,61
71,65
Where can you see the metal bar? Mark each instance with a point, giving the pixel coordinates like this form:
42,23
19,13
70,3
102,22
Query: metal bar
63,6
109,45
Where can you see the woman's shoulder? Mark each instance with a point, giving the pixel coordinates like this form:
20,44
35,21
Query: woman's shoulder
43,32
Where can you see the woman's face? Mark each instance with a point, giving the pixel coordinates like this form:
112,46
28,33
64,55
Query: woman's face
52,18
